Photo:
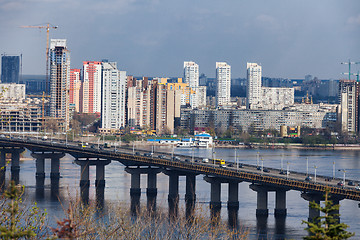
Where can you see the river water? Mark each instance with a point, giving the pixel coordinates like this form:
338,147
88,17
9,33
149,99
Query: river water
118,185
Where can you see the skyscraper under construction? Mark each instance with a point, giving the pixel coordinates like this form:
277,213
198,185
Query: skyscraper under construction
59,80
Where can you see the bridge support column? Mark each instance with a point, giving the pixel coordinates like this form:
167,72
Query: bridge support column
313,197
280,203
100,175
55,165
173,197
2,168
151,190
190,195
262,200
215,192
15,165
135,190
84,174
233,199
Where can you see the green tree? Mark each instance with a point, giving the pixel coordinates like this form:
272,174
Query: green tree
327,227
17,222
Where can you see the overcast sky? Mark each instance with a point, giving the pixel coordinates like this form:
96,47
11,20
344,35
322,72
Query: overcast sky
289,38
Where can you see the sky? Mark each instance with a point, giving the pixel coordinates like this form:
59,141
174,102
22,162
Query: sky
289,38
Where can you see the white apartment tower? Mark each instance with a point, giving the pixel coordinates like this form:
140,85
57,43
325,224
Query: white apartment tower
113,96
253,89
191,76
223,86
59,81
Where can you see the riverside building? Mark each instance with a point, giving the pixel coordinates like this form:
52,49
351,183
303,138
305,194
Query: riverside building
223,83
59,82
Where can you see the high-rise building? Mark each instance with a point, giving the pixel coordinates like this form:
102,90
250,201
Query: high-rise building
191,77
113,112
91,87
348,98
223,86
253,90
74,90
59,81
10,69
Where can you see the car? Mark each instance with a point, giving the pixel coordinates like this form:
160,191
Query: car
357,187
266,170
176,158
148,154
222,165
162,156
230,165
2,135
137,153
258,168
341,183
187,160
328,179
351,183
284,172
308,178
205,160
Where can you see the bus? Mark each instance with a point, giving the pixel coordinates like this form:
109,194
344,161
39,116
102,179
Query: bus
220,162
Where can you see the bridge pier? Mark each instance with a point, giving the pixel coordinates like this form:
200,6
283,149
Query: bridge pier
99,181
262,200
313,197
173,196
280,203
135,190
215,191
15,164
2,168
54,174
233,199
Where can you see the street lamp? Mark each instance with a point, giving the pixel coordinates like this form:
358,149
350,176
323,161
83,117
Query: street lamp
192,159
262,166
287,170
344,171
257,159
282,160
333,169
236,161
315,167
307,166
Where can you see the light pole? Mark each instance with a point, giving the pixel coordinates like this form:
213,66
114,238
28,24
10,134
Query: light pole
287,170
257,159
344,171
192,158
66,138
172,153
315,173
262,166
333,169
133,149
282,160
307,166
236,161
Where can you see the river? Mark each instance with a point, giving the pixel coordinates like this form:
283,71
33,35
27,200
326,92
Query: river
118,185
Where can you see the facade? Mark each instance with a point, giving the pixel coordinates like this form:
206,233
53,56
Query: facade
201,94
155,104
113,114
12,91
74,90
91,87
348,99
20,115
223,86
253,90
275,98
59,81
10,69
191,77
319,116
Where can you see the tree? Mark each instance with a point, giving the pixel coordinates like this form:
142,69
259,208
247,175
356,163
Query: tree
17,222
327,227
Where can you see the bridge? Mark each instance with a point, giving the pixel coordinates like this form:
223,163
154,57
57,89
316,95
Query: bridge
263,180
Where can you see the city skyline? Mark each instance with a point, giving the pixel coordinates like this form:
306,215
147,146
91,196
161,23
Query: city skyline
313,39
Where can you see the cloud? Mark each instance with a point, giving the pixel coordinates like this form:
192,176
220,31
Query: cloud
354,20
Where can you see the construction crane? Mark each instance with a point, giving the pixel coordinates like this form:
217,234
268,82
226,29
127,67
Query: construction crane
48,26
349,63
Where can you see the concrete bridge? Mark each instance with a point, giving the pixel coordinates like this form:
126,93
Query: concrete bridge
143,162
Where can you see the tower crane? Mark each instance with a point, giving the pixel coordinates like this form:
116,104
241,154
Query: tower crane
350,63
48,26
